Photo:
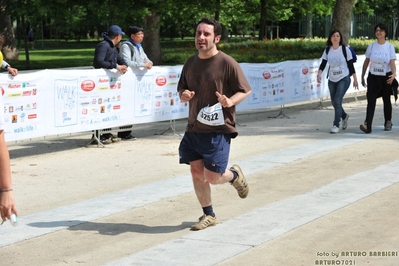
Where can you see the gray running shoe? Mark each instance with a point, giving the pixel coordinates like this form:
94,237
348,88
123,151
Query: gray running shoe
364,128
388,126
240,183
204,222
345,122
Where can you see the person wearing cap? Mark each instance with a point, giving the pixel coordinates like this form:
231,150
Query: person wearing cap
133,53
106,56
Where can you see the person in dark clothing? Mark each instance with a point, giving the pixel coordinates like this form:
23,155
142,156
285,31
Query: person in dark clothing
380,60
106,56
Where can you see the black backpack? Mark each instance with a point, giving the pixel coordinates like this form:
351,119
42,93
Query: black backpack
354,56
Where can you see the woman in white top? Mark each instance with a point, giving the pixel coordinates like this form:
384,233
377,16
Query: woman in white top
381,77
341,68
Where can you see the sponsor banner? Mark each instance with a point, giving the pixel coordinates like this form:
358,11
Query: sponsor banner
51,102
24,100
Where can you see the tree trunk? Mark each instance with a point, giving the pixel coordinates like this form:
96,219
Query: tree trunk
309,25
9,48
262,21
342,18
152,43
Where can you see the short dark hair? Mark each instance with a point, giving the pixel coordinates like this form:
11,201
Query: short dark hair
332,32
383,27
134,30
216,25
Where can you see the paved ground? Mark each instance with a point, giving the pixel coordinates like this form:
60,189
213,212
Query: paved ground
315,198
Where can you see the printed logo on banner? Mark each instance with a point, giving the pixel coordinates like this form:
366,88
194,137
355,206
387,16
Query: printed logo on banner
104,80
87,85
66,107
160,80
266,75
14,86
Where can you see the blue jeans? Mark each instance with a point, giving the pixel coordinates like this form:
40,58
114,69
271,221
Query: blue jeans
337,93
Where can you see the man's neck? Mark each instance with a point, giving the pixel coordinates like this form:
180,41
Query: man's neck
207,54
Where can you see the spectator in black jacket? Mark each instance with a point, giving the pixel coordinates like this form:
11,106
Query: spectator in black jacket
106,56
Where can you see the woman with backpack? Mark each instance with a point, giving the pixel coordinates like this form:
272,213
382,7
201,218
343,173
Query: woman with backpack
341,68
381,56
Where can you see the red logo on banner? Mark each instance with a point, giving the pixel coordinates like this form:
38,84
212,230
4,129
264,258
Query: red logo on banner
266,75
305,70
88,85
117,107
2,91
160,81
33,116
14,86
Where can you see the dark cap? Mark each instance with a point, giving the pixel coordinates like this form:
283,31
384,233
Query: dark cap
134,30
115,30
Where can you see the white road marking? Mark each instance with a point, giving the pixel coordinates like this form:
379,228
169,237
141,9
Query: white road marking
254,228
49,221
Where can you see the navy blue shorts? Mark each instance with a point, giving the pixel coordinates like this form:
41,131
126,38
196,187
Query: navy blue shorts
213,148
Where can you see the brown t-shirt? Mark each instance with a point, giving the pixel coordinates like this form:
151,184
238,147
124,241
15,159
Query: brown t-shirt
206,76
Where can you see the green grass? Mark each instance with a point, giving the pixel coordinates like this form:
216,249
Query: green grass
174,52
62,58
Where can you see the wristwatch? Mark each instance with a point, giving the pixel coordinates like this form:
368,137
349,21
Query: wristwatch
6,68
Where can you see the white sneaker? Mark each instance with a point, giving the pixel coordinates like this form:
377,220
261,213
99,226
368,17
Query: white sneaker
345,122
334,130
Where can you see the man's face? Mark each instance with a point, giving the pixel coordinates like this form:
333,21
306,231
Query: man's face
205,39
137,37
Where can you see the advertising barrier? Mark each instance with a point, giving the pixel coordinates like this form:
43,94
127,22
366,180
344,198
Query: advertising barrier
50,102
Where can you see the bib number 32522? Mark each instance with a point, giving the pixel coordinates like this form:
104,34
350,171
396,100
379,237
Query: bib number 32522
211,115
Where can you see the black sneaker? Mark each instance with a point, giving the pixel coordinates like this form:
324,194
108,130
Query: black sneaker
364,128
388,126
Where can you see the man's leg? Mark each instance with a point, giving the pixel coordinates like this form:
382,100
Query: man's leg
201,185
203,191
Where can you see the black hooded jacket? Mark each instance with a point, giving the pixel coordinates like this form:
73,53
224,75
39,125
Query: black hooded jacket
106,54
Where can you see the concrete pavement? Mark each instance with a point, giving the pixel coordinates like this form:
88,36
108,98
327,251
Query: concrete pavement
315,198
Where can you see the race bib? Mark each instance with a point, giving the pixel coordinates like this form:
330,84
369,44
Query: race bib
211,115
336,73
378,69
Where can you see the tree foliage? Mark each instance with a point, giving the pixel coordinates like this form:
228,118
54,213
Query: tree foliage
77,19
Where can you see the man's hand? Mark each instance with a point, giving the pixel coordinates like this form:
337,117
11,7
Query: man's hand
122,68
12,71
224,101
186,96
